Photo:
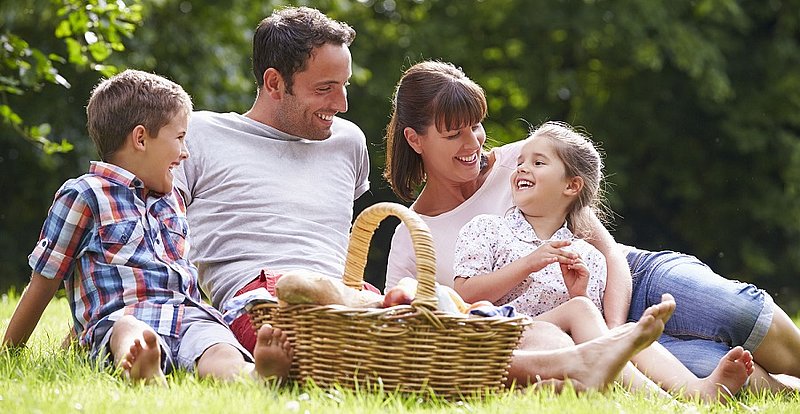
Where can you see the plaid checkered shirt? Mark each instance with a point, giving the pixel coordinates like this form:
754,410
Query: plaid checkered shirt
119,251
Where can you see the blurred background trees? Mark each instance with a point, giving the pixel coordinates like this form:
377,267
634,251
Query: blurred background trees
696,103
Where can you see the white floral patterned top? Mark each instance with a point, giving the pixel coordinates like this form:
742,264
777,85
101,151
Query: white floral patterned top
489,242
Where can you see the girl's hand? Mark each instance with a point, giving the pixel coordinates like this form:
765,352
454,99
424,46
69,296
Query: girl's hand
550,252
576,278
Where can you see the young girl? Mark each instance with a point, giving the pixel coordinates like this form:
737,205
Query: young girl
530,258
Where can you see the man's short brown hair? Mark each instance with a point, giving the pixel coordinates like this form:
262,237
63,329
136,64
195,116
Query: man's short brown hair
284,41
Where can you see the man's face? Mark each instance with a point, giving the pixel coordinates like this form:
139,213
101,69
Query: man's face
318,94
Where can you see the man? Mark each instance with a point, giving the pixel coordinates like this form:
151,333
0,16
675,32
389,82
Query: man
273,189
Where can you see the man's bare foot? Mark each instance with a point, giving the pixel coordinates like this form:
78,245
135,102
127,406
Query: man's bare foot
727,379
143,361
273,353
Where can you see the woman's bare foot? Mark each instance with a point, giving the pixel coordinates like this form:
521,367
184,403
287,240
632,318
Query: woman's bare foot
273,353
728,378
663,310
143,361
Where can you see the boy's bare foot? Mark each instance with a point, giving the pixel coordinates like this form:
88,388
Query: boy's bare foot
728,378
143,361
273,353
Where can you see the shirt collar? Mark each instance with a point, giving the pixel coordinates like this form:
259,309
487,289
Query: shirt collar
116,174
524,231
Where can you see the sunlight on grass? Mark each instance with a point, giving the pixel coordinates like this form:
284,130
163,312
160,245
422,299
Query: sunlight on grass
45,379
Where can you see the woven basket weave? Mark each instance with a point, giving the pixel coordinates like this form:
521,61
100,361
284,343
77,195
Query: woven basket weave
409,348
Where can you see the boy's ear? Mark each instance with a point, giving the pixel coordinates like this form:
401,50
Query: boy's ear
137,137
574,186
414,140
274,84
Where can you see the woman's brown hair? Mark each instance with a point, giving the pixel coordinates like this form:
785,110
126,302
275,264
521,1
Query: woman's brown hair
428,93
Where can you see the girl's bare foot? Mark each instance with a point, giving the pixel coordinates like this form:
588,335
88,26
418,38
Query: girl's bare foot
273,353
728,378
143,361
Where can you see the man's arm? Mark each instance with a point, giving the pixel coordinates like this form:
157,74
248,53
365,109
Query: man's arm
29,310
617,296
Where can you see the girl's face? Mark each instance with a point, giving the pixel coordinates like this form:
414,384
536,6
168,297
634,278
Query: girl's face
452,155
539,186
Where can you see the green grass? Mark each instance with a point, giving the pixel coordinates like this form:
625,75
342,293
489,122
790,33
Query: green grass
44,379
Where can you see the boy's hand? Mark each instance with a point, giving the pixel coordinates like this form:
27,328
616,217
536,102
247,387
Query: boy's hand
576,278
29,309
551,252
70,339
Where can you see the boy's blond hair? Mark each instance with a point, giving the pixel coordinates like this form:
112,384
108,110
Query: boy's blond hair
118,104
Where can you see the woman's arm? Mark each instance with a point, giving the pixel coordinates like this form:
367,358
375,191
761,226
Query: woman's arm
401,262
29,310
617,296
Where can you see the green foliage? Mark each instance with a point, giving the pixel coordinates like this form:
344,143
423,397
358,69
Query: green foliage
90,31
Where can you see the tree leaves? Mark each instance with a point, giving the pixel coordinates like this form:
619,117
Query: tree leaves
91,31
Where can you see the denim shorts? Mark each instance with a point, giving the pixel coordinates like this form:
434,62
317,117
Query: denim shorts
199,331
713,314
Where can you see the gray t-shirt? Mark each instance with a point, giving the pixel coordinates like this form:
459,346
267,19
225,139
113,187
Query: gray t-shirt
258,198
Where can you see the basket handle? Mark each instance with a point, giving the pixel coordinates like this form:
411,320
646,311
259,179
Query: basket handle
364,227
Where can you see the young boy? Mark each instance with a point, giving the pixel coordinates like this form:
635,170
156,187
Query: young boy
118,238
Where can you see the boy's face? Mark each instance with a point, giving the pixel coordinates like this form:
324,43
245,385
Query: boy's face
319,92
164,152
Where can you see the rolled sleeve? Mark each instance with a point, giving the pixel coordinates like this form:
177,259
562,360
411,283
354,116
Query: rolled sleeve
47,262
62,235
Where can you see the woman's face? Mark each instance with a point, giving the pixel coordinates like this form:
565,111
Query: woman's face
452,155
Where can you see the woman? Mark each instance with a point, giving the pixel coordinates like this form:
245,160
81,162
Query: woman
436,105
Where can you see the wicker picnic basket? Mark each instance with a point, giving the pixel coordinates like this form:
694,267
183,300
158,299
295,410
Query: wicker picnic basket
408,348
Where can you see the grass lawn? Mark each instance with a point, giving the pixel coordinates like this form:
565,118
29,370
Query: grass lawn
43,379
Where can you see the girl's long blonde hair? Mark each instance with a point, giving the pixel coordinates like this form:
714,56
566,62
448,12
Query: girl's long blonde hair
581,159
